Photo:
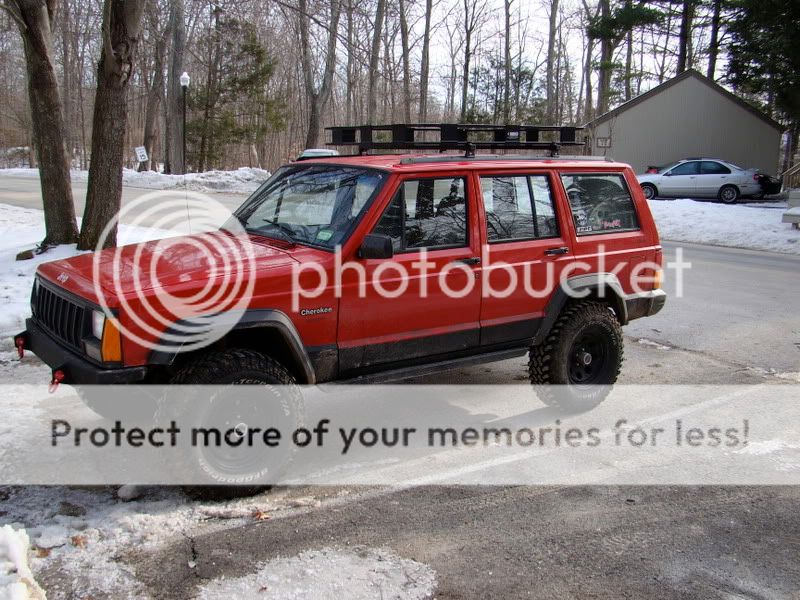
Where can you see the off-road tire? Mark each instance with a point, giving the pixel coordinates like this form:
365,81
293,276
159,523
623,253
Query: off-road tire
649,190
549,362
231,367
728,194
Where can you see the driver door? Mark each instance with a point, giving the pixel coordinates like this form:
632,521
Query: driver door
681,180
406,313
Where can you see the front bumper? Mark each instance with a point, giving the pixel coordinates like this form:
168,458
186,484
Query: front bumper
77,369
645,304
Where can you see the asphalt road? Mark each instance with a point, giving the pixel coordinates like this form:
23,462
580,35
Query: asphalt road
737,323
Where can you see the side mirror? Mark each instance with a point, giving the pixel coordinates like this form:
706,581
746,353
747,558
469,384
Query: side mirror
376,245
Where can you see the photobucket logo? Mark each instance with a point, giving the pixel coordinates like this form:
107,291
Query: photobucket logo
184,289
459,277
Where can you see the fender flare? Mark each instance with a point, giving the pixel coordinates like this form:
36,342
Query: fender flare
603,285
257,318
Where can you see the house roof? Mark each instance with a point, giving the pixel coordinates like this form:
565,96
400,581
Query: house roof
669,83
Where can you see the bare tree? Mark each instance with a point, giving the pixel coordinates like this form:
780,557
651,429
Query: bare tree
374,57
507,62
120,35
474,13
425,64
317,98
175,161
34,19
406,62
156,85
551,59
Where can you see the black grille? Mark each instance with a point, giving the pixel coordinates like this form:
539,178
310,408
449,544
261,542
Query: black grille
63,318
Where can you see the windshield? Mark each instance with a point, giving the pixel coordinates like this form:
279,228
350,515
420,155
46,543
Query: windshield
318,205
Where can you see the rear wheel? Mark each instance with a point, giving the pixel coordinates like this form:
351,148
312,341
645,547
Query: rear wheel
649,191
728,194
233,472
574,367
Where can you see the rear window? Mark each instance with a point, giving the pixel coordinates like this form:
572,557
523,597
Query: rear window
600,202
518,207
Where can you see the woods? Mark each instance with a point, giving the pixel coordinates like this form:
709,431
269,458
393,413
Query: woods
267,77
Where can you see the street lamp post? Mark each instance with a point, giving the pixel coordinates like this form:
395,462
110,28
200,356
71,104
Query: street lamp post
184,86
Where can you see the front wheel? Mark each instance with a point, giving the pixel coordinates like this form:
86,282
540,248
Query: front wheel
576,365
729,194
649,191
272,398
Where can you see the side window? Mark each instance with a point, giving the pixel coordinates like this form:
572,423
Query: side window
710,167
687,168
427,213
518,207
601,203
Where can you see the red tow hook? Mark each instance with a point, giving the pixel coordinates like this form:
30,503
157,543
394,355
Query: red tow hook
58,377
19,342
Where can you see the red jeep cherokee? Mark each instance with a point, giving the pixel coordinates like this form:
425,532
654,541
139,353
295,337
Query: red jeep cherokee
544,256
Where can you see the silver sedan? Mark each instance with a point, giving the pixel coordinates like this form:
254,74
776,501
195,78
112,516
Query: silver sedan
700,178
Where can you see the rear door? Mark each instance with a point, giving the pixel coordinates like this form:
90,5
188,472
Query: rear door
680,180
524,255
713,175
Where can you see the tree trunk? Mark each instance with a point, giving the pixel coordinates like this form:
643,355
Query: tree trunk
120,35
34,19
154,96
406,63
374,58
551,58
174,160
684,36
317,99
467,56
507,64
425,66
713,44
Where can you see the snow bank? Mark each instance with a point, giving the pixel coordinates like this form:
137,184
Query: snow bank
754,226
330,574
16,578
244,180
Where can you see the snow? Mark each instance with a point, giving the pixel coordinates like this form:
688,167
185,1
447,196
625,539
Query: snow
16,579
85,533
755,226
330,574
245,179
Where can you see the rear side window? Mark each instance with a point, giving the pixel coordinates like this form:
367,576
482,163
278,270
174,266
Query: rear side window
601,203
427,213
710,167
518,208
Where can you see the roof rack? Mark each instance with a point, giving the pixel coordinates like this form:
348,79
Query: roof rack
415,160
452,136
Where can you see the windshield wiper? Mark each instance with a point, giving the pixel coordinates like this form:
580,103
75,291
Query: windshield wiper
286,234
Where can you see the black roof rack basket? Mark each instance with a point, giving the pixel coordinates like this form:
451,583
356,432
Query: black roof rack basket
453,136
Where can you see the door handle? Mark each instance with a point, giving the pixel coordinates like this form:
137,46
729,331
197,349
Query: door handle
473,260
556,251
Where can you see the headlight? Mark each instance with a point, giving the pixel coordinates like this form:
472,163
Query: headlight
98,323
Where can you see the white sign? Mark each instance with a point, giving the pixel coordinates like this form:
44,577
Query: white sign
141,153
604,142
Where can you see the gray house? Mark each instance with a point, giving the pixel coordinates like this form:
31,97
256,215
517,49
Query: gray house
689,115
